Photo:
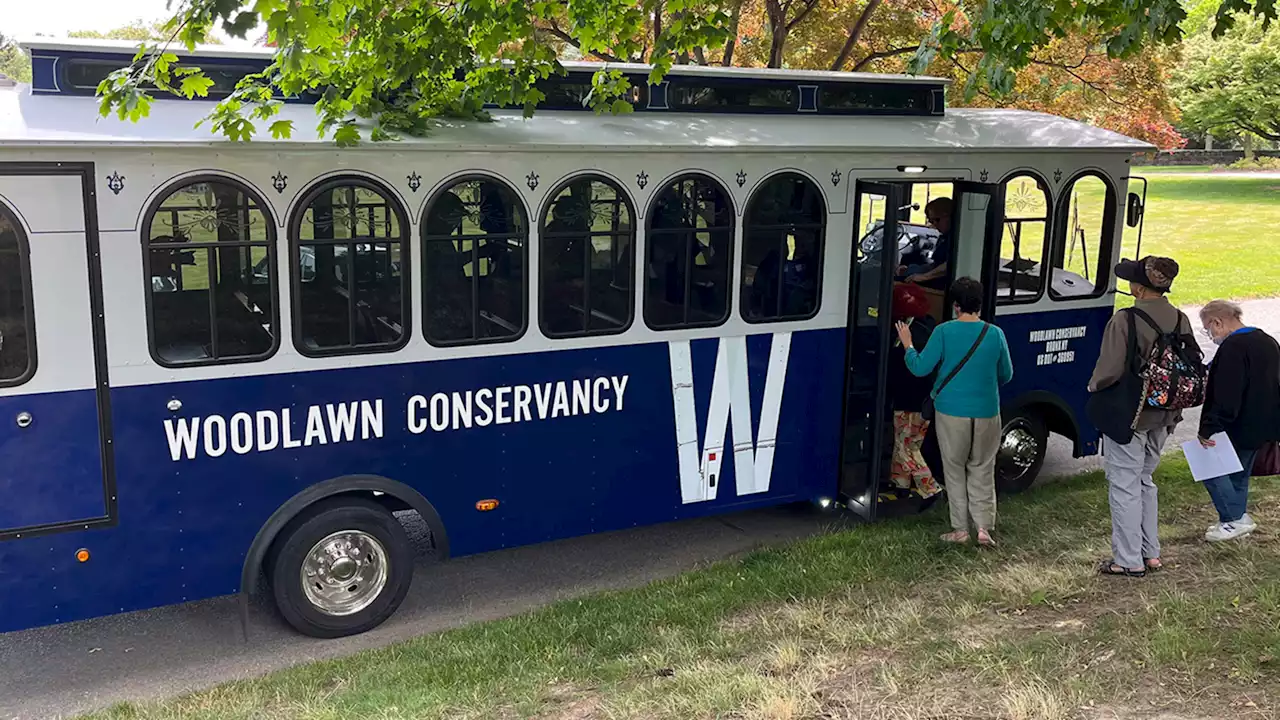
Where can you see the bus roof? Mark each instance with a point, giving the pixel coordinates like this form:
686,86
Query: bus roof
126,49
33,120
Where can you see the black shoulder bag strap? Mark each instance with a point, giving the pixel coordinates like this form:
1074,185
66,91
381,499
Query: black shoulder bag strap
956,370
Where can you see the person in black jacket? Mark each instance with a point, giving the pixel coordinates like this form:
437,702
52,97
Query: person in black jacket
1243,401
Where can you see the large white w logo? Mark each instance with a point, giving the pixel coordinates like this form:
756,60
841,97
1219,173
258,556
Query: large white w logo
730,393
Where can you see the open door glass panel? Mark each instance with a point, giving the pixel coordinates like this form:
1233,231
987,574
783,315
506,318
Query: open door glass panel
877,237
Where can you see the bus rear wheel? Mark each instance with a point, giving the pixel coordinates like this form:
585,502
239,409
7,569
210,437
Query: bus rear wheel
341,568
1023,443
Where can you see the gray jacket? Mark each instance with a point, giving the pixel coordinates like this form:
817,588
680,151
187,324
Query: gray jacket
1115,346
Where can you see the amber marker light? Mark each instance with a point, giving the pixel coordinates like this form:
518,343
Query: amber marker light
486,505
82,555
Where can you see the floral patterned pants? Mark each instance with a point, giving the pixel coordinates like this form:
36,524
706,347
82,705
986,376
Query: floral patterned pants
909,471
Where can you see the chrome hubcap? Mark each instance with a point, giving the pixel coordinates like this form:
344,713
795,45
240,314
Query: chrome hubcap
345,572
1018,451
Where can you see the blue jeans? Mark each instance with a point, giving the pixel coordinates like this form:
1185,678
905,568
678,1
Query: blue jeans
1230,493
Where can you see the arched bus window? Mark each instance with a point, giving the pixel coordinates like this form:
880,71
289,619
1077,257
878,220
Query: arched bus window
783,242
1084,236
587,253
475,237
350,283
689,255
17,318
1026,229
209,249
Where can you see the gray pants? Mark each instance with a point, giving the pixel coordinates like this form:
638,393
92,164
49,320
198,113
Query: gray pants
969,448
1135,507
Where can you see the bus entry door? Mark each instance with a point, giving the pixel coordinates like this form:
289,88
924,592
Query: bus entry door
978,217
867,432
54,452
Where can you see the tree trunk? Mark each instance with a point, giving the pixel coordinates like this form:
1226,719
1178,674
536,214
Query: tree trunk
777,16
776,48
1208,141
1247,141
734,20
855,34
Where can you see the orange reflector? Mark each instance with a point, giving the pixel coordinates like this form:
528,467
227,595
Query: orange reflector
486,505
82,555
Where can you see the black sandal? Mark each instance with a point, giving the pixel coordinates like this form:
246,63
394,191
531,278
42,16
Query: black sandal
1153,568
1109,567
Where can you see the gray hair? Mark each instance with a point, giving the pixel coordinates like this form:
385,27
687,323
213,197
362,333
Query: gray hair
1221,310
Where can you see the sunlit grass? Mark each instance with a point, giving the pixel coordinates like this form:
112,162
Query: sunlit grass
1221,230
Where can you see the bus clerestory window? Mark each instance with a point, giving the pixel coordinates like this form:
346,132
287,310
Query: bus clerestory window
1026,229
209,252
17,323
689,255
782,250
586,257
351,286
474,244
1083,239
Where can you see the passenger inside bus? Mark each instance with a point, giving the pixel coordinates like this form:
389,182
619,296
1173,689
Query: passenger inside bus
688,246
933,272
584,243
785,287
910,472
473,254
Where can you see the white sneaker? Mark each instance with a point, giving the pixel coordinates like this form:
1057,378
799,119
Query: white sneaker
1227,531
1245,520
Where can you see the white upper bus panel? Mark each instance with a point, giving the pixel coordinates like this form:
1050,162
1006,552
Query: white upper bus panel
27,120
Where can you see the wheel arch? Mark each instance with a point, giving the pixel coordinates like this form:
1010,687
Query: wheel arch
1057,415
389,493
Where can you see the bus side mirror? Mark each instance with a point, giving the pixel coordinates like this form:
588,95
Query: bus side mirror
1133,210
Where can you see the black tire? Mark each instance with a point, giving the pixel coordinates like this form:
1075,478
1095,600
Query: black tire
372,527
1023,442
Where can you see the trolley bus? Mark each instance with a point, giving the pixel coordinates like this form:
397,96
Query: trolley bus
222,361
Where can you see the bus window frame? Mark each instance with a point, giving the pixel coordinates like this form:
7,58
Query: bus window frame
633,233
731,229
1046,246
273,280
294,233
820,230
28,297
1106,236
525,238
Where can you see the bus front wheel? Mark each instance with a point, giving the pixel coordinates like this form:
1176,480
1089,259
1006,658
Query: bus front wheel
341,568
1023,442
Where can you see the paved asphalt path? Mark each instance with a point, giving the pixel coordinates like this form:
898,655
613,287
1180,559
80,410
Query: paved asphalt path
65,669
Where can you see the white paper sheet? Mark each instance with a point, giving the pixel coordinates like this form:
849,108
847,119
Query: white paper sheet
1207,463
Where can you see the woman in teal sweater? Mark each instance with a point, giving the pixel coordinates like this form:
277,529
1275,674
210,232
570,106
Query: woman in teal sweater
967,408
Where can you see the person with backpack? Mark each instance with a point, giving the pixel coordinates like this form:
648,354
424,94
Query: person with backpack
971,357
1243,401
1149,370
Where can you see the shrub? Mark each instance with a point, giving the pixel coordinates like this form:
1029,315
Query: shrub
1259,163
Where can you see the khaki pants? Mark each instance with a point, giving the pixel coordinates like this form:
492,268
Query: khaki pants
969,448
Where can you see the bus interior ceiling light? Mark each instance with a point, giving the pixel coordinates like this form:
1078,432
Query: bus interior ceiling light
912,169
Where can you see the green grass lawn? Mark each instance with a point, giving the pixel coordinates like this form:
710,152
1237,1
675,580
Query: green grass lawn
1221,230
1158,169
874,621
